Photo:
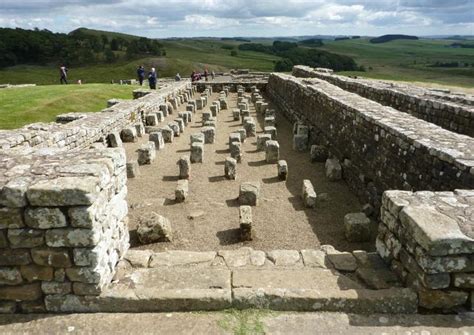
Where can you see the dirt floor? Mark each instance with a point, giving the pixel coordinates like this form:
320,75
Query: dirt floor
209,219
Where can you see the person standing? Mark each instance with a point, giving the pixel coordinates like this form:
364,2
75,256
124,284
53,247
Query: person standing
63,74
152,78
206,73
177,77
141,74
213,74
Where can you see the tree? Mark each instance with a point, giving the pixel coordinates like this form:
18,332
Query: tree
233,53
109,56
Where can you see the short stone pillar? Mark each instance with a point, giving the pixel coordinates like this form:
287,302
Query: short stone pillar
236,114
151,119
282,168
199,138
357,227
244,114
184,116
234,137
153,227
250,127
164,109
264,107
245,221
333,169
175,127
180,122
272,151
197,152
160,116
269,121
249,193
210,123
114,140
223,103
209,134
132,169
129,134
308,194
190,108
236,151
319,153
146,153
214,110
140,128
272,131
230,168
190,116
168,134
199,103
261,140
182,190
157,138
300,142
206,116
243,134
184,164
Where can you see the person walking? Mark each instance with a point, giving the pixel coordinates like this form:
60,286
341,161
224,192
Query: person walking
63,74
141,74
152,78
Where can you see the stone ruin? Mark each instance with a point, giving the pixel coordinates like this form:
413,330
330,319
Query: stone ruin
406,152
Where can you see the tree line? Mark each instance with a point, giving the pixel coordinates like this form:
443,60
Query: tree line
292,54
39,47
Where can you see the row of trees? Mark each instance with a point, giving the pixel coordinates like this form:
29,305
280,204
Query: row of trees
292,55
20,46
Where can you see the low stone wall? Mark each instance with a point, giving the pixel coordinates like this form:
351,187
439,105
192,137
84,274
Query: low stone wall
427,238
62,226
452,112
379,147
259,80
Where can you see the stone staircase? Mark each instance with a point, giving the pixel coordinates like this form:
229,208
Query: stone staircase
286,280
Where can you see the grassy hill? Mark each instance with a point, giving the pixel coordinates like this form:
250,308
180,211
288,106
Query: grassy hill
408,60
21,106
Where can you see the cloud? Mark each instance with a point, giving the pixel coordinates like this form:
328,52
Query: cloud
244,17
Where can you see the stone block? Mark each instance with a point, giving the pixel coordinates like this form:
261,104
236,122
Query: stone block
151,119
157,138
182,190
206,116
168,134
333,169
146,153
245,220
236,151
72,237
114,140
357,227
230,168
269,121
236,114
56,287
197,152
262,140
243,134
272,131
28,292
55,257
181,124
249,193
300,143
209,134
342,261
160,116
234,137
129,134
45,218
164,109
10,276
33,272
210,123
25,238
175,127
9,257
282,169
153,227
13,194
198,138
133,169
308,194
250,128
272,151
184,164
140,128
214,110
199,103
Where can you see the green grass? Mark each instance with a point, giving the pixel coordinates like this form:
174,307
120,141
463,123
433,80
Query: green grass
21,106
408,60
244,322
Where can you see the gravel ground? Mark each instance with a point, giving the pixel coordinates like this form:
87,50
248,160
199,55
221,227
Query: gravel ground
209,219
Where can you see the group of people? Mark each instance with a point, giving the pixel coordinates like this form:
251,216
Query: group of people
195,76
152,76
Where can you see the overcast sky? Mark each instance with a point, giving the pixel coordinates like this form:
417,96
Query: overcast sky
176,18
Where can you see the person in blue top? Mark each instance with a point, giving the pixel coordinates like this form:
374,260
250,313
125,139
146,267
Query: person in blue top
141,74
152,78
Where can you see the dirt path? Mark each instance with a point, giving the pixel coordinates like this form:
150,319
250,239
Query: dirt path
280,220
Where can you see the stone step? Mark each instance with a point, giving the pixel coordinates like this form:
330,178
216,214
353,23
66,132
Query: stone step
218,287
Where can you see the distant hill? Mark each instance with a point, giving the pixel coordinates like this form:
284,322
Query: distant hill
388,38
110,35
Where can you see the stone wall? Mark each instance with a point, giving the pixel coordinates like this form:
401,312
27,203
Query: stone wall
63,213
454,112
427,238
379,147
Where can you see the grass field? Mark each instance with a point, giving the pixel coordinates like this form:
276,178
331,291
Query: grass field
20,106
408,60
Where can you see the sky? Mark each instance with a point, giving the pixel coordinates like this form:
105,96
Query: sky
227,18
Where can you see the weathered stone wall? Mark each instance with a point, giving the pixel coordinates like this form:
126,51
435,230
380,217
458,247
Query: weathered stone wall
427,238
63,213
450,111
259,80
62,226
379,147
